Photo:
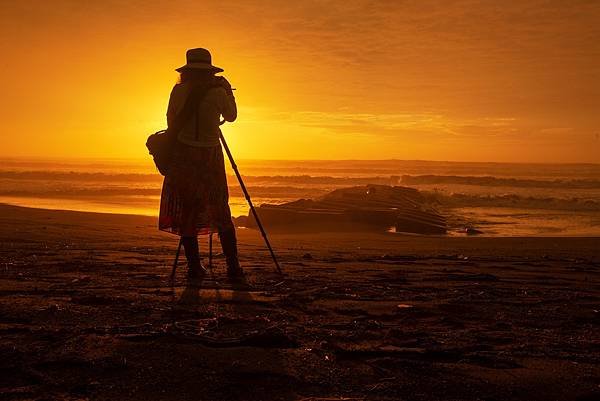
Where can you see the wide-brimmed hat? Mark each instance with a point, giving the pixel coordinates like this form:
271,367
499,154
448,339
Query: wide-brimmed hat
198,59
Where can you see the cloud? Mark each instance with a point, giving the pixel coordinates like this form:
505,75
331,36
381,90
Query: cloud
461,70
394,124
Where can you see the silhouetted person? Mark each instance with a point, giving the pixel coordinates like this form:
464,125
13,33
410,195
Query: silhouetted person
194,197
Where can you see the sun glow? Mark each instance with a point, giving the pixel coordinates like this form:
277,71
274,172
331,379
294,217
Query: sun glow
309,85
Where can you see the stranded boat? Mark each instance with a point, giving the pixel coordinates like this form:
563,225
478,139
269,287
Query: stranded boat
361,208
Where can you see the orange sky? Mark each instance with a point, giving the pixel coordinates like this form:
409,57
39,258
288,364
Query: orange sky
440,80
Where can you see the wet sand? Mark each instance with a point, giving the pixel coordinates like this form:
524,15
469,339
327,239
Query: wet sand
86,312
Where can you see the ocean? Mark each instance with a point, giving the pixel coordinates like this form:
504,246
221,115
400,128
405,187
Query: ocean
499,199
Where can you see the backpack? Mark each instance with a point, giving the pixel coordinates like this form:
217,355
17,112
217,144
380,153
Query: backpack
161,144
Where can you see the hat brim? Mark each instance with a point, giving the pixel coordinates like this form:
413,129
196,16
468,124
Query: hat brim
199,66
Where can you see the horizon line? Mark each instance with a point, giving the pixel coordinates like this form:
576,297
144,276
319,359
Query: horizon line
148,159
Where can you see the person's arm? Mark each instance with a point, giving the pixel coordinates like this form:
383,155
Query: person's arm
227,100
230,108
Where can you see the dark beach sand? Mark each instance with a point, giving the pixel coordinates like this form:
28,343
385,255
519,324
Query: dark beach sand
86,313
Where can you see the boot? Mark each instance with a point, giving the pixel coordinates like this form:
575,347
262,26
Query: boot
192,254
229,245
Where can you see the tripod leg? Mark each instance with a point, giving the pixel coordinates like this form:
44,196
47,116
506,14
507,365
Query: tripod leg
210,250
172,278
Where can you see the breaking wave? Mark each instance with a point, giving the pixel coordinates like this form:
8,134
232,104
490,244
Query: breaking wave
315,180
156,178
491,181
287,193
513,201
282,192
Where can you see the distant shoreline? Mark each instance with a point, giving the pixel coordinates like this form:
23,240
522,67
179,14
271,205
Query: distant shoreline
145,219
5,206
147,160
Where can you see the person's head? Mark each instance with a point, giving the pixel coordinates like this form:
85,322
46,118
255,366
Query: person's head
198,67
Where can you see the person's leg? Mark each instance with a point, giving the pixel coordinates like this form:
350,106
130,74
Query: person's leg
222,215
229,245
192,254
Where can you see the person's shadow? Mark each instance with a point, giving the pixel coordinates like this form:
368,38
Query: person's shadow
225,302
191,291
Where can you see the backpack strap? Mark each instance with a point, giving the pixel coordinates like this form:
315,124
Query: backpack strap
196,95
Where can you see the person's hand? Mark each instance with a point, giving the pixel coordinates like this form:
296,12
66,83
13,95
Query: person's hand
223,82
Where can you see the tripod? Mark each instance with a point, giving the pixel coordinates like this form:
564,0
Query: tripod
252,209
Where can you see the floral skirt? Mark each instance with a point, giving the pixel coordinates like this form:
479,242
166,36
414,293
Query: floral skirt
195,198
